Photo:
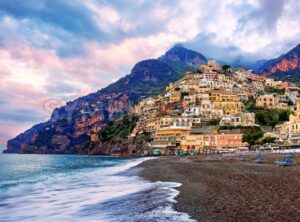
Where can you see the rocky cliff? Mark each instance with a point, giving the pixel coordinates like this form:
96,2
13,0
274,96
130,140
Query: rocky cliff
285,67
68,130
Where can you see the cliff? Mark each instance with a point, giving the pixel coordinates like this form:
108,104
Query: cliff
69,128
284,67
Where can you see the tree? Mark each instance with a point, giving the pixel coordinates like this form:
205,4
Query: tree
271,117
284,115
268,139
213,122
250,105
252,137
225,67
271,90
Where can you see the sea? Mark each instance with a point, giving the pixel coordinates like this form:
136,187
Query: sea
82,188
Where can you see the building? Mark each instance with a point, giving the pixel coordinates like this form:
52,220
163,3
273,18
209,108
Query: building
195,99
174,97
187,121
167,139
271,101
283,99
191,142
290,131
273,83
210,76
292,93
243,119
258,85
214,65
198,110
144,105
229,141
230,104
220,142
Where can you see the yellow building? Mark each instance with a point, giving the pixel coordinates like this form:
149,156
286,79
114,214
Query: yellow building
168,138
195,141
293,126
198,142
152,124
175,97
230,104
170,87
271,101
290,130
295,116
205,68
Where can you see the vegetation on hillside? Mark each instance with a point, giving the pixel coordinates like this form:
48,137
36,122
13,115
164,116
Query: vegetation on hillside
213,122
267,117
271,117
292,76
120,128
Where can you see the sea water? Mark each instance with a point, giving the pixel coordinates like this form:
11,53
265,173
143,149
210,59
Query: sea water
81,188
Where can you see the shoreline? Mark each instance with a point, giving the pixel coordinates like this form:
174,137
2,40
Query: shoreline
231,189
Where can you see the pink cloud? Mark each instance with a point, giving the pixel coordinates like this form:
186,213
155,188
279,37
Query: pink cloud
2,139
26,73
9,130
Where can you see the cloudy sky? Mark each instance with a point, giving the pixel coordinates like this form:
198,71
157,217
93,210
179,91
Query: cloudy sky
52,51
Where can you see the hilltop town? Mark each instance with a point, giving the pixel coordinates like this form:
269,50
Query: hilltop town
178,103
218,109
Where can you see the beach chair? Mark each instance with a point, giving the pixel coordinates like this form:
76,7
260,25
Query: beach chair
259,159
285,162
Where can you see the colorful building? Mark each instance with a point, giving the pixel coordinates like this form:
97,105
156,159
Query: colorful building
196,142
243,119
166,139
270,101
230,104
229,141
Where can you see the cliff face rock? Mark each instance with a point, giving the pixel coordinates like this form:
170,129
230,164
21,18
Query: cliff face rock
68,130
285,64
138,146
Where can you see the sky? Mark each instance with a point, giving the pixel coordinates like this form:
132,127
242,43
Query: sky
52,51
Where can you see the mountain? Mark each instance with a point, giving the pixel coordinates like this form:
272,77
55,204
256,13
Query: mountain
68,129
285,67
183,58
257,65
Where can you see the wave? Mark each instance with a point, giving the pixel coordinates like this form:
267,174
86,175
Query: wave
96,194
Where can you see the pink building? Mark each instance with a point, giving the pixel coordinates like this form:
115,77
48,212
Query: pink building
229,141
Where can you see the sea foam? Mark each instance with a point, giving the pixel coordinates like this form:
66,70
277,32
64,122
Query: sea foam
106,193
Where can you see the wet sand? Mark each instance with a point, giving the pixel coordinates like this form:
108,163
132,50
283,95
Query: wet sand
231,190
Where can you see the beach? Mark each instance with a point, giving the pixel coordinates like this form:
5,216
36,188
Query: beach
230,189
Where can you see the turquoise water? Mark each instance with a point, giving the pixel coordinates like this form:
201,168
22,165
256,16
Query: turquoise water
23,169
81,188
